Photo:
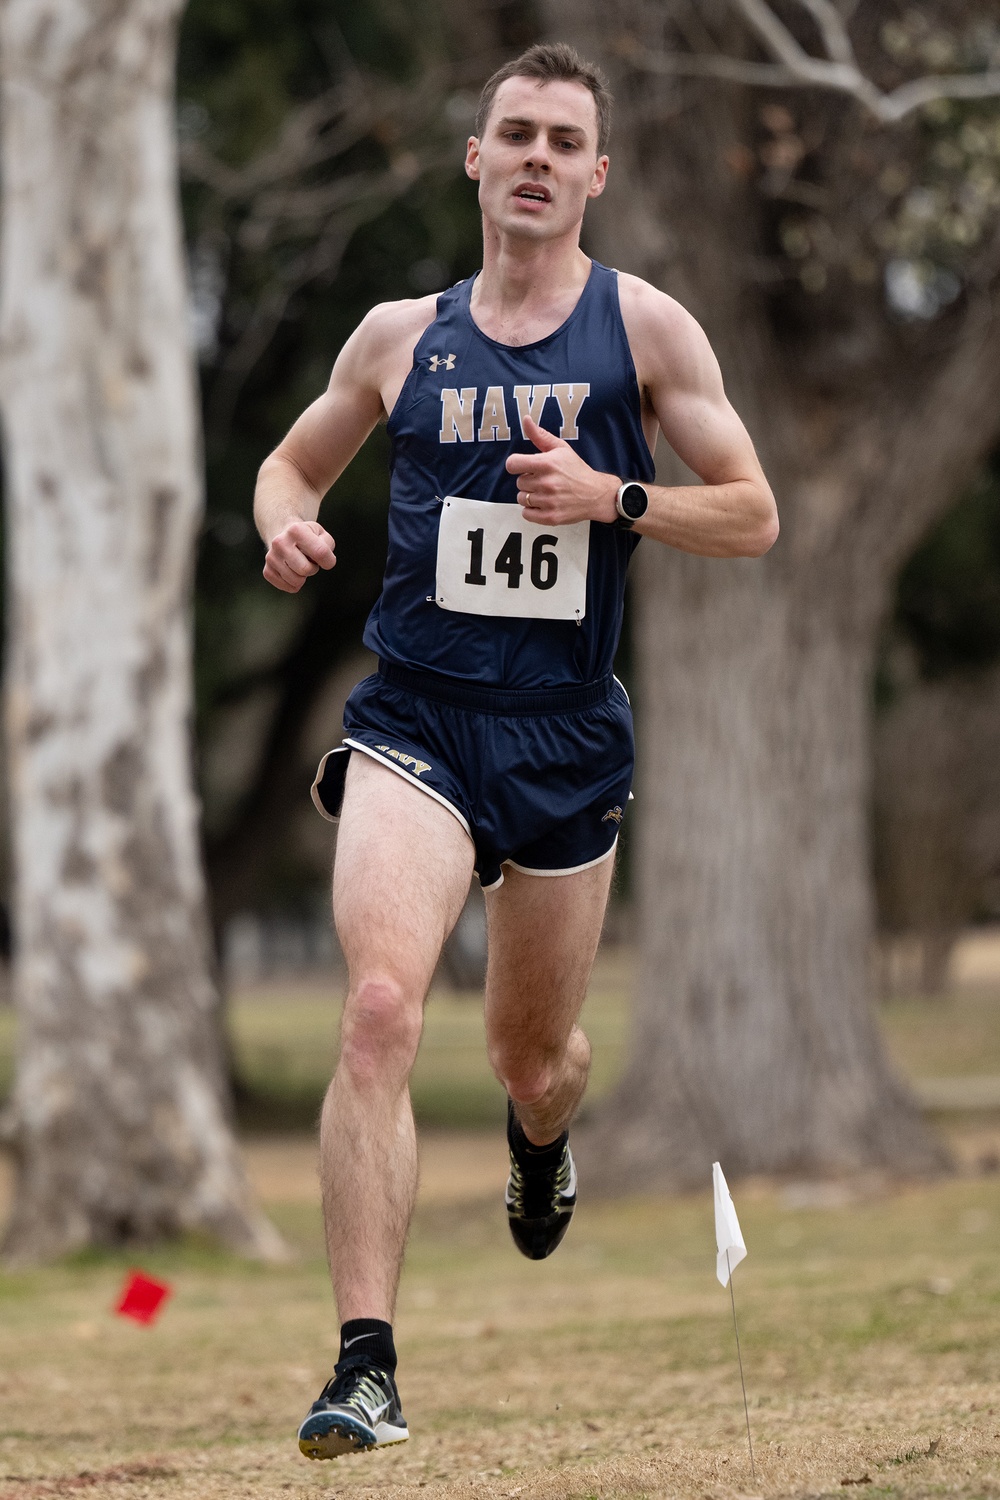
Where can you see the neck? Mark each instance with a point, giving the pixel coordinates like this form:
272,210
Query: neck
521,273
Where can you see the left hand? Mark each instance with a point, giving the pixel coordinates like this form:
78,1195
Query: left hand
555,487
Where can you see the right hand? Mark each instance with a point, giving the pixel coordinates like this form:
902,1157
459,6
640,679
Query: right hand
298,551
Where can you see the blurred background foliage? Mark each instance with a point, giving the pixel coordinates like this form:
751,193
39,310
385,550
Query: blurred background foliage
948,596
936,792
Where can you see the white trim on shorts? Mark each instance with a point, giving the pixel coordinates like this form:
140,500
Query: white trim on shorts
429,791
572,870
351,744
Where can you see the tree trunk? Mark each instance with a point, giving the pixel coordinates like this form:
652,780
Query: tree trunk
754,1042
119,1117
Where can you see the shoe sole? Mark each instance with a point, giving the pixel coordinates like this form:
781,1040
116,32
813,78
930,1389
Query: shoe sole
537,1238
332,1434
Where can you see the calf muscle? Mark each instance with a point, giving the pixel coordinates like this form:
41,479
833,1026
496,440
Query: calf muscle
543,936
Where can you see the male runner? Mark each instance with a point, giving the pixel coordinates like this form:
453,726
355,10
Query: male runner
523,407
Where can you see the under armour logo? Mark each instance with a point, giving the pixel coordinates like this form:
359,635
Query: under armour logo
441,362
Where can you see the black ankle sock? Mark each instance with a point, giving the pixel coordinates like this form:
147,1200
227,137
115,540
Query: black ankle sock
371,1339
529,1157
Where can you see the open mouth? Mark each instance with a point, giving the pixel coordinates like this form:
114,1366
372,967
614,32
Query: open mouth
533,195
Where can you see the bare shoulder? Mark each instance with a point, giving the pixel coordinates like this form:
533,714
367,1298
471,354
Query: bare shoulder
389,322
640,300
667,343
389,332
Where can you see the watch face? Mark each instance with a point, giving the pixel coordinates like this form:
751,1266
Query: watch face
634,501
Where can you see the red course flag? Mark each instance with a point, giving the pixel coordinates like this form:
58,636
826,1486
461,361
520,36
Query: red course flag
142,1297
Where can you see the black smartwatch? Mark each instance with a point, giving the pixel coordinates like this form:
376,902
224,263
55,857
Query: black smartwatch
632,503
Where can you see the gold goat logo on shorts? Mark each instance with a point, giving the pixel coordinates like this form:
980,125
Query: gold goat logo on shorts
613,815
409,761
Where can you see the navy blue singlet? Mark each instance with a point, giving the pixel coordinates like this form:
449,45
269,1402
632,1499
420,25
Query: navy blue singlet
455,423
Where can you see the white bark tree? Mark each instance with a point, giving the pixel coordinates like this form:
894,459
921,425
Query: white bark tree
119,1119
845,262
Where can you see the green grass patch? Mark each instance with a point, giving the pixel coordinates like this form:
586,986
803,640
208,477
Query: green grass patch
945,1036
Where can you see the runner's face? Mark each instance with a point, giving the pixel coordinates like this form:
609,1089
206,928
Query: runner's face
537,162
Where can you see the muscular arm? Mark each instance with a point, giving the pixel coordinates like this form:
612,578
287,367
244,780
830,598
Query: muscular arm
294,478
732,513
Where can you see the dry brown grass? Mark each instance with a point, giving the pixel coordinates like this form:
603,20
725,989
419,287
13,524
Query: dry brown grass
870,1332
871,1323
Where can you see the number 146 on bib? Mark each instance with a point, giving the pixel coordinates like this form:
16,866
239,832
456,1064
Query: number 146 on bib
490,561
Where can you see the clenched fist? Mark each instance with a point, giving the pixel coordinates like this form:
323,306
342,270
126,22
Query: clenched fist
298,551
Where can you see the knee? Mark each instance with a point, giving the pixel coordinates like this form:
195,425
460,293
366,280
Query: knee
530,1068
381,1030
526,1075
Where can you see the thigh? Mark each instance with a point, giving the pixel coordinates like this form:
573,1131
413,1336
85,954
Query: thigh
543,937
401,874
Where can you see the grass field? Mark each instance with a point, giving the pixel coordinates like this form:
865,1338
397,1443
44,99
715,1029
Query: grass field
870,1323
871,1341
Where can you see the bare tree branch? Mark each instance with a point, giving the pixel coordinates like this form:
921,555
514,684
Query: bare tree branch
795,68
782,45
910,96
833,31
707,65
320,259
316,133
300,200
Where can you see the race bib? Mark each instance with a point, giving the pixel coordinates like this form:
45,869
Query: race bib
490,561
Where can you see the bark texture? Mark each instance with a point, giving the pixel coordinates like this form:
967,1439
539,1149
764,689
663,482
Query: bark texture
937,819
119,1117
754,1040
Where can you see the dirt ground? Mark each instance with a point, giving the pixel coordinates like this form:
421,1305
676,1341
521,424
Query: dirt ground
870,1323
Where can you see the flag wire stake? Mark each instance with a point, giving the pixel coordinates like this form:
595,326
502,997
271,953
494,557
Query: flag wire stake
739,1356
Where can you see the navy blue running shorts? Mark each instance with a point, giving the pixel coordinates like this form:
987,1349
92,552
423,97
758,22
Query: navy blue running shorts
539,781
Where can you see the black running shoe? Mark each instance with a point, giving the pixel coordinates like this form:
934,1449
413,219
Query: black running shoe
359,1409
540,1205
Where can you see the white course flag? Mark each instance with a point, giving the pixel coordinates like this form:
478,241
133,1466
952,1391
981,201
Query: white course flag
728,1235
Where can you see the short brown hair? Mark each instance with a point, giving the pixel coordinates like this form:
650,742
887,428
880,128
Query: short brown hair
549,62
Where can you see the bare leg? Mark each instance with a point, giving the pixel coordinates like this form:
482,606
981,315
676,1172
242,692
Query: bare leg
543,936
401,878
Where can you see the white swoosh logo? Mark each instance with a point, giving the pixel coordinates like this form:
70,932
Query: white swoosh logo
357,1336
